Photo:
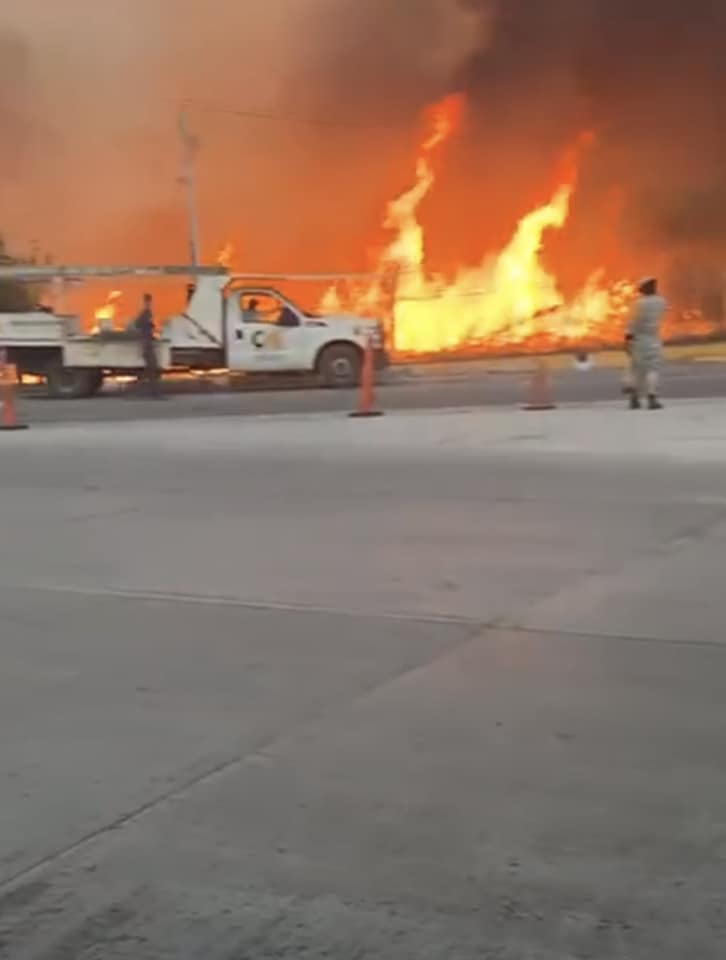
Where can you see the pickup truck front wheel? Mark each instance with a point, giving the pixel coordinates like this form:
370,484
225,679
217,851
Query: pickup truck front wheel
339,365
72,383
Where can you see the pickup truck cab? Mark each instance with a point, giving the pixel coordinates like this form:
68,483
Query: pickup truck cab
258,329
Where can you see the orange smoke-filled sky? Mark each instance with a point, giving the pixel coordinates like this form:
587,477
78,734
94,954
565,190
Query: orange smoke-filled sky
90,92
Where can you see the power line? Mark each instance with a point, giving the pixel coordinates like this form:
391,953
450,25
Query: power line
264,116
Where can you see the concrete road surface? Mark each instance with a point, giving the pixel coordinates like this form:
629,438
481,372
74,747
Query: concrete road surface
445,686
452,385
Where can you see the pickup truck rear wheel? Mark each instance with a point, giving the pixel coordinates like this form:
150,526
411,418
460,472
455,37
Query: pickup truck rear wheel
339,365
72,383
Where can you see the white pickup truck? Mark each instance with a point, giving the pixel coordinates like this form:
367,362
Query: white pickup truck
227,323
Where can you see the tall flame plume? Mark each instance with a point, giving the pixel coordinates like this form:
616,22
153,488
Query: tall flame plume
509,300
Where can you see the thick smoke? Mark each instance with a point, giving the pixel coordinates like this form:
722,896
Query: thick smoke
91,91
648,77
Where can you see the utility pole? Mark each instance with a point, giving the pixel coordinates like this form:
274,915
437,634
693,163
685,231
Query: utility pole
190,145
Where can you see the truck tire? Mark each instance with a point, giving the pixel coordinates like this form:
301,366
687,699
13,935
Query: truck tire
339,365
72,383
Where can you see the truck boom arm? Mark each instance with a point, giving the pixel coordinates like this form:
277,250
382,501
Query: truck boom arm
31,271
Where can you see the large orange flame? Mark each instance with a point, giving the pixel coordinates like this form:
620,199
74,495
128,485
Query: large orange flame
106,313
510,300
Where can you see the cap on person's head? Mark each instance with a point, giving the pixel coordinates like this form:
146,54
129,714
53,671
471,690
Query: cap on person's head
648,286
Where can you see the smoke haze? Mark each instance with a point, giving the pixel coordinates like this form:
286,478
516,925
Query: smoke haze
89,95
647,76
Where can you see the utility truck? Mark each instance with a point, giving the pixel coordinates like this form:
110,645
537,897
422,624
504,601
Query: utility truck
238,322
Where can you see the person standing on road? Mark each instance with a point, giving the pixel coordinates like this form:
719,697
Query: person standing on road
643,344
144,326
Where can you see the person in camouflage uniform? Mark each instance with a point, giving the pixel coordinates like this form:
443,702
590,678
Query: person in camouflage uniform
644,346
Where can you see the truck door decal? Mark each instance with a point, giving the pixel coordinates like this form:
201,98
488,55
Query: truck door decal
267,340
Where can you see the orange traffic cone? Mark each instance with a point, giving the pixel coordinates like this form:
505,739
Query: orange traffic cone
540,390
9,416
367,400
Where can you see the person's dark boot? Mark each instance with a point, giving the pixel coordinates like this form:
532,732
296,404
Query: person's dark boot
654,403
634,403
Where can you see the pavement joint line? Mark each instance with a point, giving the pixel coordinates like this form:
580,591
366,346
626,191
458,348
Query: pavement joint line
232,762
212,600
482,626
567,633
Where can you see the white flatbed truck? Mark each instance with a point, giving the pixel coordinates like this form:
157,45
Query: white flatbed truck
230,322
